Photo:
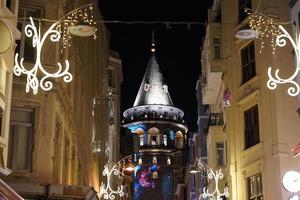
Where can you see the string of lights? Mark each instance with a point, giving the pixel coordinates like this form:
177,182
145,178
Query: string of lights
114,21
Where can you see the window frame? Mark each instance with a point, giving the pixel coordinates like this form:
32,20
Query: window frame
21,24
248,62
223,153
110,78
251,126
217,48
258,195
13,148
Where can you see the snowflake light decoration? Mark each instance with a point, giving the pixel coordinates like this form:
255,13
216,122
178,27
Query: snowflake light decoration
216,194
32,74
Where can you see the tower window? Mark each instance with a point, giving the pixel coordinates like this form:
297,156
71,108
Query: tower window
141,140
165,140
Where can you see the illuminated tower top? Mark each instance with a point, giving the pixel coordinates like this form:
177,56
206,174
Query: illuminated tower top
153,101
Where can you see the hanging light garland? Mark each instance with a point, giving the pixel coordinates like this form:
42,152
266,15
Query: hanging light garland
80,20
266,27
37,42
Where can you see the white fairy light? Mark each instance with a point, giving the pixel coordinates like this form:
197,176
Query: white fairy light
105,190
216,194
273,81
37,42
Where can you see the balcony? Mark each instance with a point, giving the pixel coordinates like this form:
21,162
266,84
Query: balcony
216,119
212,63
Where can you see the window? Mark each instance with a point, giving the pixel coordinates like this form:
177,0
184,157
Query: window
165,140
248,62
110,78
141,140
8,4
242,5
21,139
255,187
251,127
217,47
220,154
25,42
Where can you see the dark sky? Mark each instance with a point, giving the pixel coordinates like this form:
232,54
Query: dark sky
177,47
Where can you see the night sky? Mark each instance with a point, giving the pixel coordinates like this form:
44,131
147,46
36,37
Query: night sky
177,47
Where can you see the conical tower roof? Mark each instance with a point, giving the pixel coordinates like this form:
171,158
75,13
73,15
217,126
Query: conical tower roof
153,90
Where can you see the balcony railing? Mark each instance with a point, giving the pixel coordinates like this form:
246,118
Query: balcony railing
216,119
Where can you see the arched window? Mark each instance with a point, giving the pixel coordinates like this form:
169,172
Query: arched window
165,140
169,161
179,140
141,140
153,132
154,160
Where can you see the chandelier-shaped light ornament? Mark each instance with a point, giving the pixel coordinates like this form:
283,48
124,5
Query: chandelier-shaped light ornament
216,194
37,42
106,190
273,81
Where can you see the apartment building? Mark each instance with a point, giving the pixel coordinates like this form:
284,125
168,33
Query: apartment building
255,128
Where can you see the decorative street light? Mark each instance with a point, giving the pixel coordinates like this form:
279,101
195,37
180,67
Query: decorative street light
216,194
32,74
211,175
107,191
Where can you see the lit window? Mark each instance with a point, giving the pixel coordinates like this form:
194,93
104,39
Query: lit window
165,140
169,161
140,161
255,187
154,160
21,139
155,175
248,62
141,140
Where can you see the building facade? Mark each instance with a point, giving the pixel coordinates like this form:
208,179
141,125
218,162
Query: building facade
159,139
51,136
254,128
